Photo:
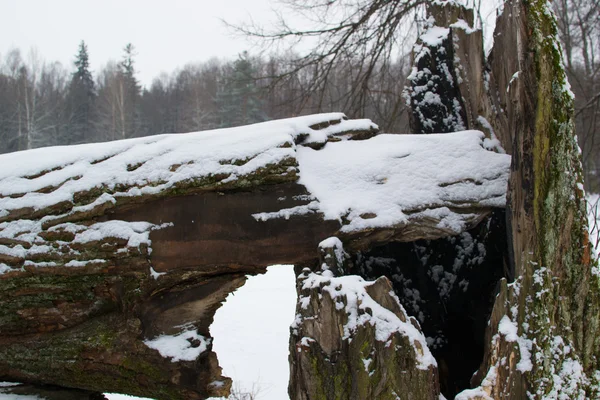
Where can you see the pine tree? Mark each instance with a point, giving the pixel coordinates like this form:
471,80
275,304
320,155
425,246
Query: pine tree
128,70
81,99
119,99
238,99
130,92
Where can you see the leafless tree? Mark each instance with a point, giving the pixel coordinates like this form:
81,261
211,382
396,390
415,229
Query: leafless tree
366,36
579,28
30,106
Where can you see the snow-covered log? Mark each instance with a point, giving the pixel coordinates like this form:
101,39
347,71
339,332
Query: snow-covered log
93,205
114,254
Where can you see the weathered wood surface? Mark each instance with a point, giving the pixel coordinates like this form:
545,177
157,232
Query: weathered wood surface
352,339
88,278
542,340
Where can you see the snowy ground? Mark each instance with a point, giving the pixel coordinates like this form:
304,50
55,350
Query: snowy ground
251,334
116,396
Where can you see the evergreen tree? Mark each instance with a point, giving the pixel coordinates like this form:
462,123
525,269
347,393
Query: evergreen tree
131,93
119,99
238,99
81,99
128,70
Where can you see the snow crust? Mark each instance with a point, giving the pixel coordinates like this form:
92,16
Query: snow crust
135,232
338,249
286,213
493,143
464,25
434,36
118,396
473,394
509,330
321,135
28,231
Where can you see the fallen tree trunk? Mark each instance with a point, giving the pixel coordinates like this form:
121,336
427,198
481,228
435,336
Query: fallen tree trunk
109,251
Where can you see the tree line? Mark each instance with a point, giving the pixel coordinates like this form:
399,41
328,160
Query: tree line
47,104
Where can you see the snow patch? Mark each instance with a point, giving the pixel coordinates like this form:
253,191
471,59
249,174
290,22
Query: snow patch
286,213
185,346
390,176
434,36
509,330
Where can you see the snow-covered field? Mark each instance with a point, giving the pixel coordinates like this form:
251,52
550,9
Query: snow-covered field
251,334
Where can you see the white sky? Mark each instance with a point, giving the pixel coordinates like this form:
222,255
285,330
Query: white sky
166,34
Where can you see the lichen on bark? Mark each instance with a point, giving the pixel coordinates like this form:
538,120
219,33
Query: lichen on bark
340,348
555,301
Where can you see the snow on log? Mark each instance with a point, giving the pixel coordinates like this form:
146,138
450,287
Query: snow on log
429,185
403,187
114,256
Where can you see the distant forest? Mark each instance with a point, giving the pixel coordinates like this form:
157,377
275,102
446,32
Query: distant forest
47,104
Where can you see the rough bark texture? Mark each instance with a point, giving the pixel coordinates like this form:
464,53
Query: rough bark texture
555,298
543,337
329,360
105,352
76,313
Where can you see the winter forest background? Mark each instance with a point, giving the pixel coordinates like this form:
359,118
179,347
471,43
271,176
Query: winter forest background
44,103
